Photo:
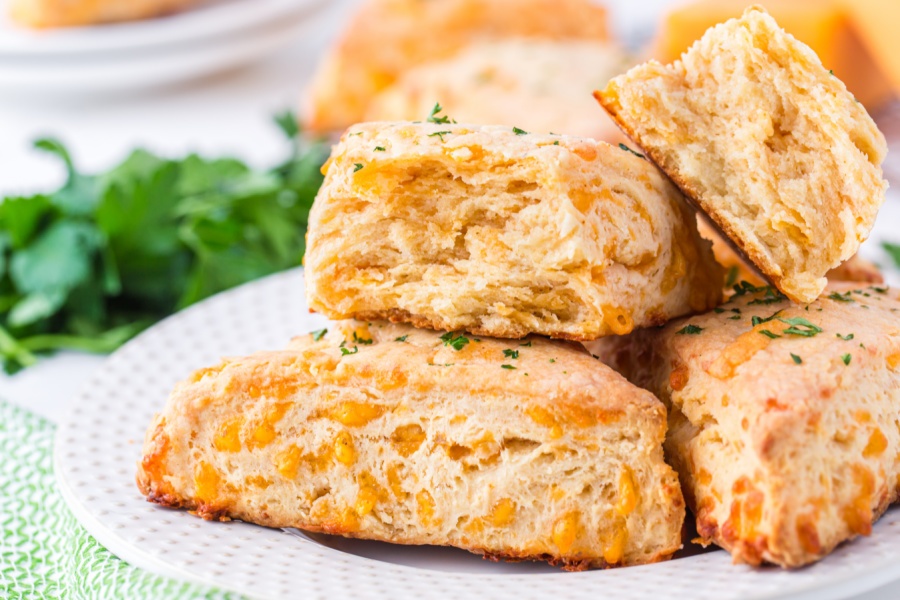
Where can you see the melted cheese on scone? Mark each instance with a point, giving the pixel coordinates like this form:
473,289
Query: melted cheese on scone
522,450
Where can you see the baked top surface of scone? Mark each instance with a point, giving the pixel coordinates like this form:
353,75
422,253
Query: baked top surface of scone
770,145
783,420
385,38
385,432
542,86
68,13
503,233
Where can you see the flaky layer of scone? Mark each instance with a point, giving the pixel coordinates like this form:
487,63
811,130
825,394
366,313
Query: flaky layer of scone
385,432
385,38
542,86
502,233
783,420
751,126
856,269
69,13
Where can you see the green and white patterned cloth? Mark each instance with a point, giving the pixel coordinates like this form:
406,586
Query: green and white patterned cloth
44,551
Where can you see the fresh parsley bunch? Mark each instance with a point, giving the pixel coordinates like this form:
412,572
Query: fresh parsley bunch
92,264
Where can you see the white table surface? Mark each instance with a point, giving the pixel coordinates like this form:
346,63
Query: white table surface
222,114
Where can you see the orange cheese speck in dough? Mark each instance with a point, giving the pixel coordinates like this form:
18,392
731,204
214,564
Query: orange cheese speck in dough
287,462
206,482
264,433
503,513
344,451
228,438
565,531
426,508
876,445
628,492
542,416
355,414
407,438
614,550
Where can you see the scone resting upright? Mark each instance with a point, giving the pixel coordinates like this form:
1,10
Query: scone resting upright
514,450
783,421
770,144
504,233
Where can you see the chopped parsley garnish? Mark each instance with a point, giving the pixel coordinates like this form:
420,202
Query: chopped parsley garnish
513,354
434,118
757,320
402,338
732,276
745,287
441,365
627,149
360,340
526,344
507,367
831,72
518,131
840,297
355,133
556,143
772,296
797,360
880,290
457,342
846,338
345,352
769,334
318,335
893,251
846,358
357,167
690,330
800,326
553,360
735,318
379,149
736,310
440,134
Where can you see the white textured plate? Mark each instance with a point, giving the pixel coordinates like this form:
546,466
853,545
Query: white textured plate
211,19
99,443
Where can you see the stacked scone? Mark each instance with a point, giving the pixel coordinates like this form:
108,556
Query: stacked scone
438,410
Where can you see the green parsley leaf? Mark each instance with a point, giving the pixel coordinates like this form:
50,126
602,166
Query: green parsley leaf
627,149
345,352
846,338
880,290
732,276
518,131
513,354
357,167
556,143
718,310
379,149
846,358
800,326
769,334
893,251
507,367
797,360
690,330
735,318
440,134
456,342
318,335
840,297
402,338
433,118
526,344
553,360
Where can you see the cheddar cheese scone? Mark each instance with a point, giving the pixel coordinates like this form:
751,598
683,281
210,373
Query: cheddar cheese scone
783,418
501,232
770,145
538,85
385,38
69,13
522,451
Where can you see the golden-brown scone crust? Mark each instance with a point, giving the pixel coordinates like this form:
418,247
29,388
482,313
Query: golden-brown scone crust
385,432
770,145
385,38
542,86
779,461
68,13
502,233
855,269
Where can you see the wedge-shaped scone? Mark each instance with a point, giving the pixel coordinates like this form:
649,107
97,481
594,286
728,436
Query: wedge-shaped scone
769,144
542,86
783,422
520,451
502,233
68,13
385,38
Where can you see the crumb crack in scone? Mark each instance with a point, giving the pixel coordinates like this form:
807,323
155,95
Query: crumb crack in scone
770,145
502,234
385,432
